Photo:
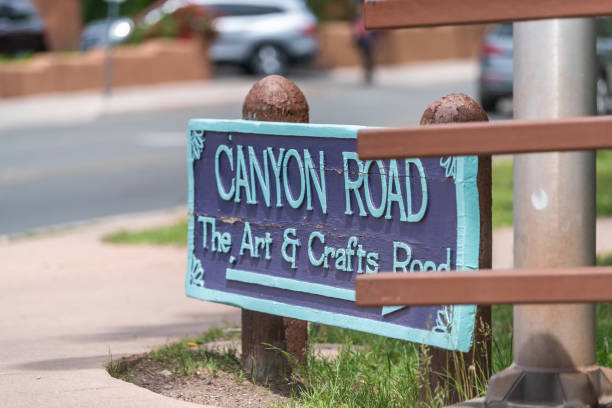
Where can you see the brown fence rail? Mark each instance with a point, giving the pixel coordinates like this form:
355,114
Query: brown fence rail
517,136
486,287
419,13
567,285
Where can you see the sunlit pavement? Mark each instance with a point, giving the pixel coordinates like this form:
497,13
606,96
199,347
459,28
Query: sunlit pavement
87,106
69,303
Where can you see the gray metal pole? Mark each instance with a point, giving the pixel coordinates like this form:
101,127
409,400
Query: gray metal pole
554,225
554,193
112,14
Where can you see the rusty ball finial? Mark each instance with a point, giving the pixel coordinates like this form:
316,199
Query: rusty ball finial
454,108
275,99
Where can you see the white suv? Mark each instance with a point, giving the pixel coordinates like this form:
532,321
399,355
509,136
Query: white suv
264,36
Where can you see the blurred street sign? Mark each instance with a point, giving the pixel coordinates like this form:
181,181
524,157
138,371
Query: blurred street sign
283,217
112,14
381,14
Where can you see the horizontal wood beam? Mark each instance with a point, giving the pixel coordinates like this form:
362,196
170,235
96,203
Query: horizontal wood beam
486,287
483,138
381,14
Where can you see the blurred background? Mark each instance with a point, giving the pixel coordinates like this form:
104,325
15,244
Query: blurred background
95,95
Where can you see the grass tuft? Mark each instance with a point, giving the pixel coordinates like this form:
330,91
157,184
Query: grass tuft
186,357
175,234
382,374
502,190
118,369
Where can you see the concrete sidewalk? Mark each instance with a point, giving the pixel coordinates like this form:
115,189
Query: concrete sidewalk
86,106
67,301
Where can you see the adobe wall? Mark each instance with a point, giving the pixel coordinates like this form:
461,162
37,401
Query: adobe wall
63,23
166,60
154,62
337,48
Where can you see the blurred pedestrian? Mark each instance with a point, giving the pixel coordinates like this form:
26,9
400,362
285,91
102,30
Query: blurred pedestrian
366,44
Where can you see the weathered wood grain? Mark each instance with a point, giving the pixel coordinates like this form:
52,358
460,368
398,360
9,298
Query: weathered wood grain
522,286
383,14
517,136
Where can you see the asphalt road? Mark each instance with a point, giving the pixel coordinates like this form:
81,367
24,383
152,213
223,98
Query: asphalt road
132,162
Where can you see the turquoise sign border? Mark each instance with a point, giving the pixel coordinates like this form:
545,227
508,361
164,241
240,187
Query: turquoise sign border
464,171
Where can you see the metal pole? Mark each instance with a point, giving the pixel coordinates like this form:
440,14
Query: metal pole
554,224
112,14
554,193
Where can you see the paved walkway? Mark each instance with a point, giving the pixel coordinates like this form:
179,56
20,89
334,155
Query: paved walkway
85,106
67,301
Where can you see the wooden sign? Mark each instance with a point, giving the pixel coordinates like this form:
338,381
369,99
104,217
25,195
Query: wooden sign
283,217
380,14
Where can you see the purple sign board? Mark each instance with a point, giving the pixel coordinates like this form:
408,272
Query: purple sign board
283,217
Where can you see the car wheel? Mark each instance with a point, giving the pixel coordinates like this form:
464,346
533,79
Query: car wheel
268,59
488,102
603,93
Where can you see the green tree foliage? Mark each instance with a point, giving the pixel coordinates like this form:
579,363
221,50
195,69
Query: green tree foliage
334,9
97,9
324,9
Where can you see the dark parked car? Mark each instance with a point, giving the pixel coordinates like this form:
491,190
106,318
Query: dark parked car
496,65
21,28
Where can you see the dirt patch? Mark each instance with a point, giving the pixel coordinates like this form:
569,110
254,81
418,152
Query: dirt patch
220,389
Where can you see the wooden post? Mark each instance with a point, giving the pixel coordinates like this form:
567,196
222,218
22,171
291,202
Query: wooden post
440,368
273,99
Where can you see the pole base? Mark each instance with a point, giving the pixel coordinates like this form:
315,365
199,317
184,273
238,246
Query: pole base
515,387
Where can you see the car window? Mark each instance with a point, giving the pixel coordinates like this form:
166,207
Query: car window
16,11
504,30
242,9
5,11
604,27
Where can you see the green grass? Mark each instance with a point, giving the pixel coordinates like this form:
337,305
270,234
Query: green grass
604,324
503,182
501,320
604,181
502,194
118,369
21,57
185,357
175,234
369,371
373,371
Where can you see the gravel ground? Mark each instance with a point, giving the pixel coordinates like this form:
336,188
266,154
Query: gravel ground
222,389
